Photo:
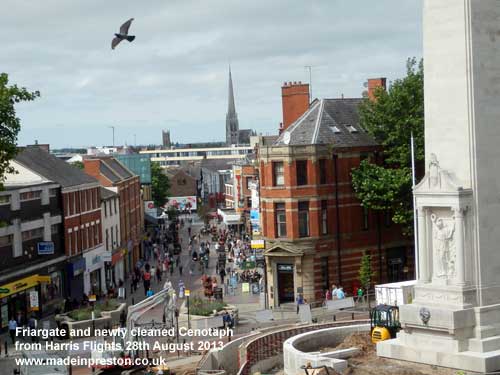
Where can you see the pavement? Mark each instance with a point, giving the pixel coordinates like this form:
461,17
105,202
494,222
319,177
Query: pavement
248,304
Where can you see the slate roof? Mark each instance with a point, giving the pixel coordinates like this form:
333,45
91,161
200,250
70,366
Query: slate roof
217,164
52,168
107,194
328,121
113,169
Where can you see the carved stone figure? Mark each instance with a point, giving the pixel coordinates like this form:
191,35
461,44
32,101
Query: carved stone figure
443,242
434,171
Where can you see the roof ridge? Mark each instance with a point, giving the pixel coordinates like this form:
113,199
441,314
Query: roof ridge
318,122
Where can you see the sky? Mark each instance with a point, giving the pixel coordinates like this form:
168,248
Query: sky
175,74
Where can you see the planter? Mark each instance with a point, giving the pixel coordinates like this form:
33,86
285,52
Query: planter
212,321
108,319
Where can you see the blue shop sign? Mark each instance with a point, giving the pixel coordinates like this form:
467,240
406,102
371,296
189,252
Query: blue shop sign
45,248
77,267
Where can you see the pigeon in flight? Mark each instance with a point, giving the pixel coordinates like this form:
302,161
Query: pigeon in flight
123,34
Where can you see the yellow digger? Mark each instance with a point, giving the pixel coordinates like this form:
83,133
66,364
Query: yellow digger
384,321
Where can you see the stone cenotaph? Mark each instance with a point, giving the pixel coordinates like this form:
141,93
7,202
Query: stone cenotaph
454,320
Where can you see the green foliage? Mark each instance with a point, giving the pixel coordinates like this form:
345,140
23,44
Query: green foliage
365,271
85,313
77,164
199,306
390,119
10,124
160,185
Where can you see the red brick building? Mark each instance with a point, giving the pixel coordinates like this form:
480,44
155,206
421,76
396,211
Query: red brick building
315,228
111,173
81,204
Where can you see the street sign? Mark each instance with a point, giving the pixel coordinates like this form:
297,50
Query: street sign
45,248
4,290
187,292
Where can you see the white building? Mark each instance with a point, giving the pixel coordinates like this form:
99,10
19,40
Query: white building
110,207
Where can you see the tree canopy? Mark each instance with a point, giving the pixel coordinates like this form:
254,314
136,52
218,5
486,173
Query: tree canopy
10,124
160,185
391,118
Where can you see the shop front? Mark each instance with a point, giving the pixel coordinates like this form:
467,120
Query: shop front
94,276
285,276
21,299
115,269
75,270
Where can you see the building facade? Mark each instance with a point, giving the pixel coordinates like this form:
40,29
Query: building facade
82,218
111,173
315,229
32,259
114,259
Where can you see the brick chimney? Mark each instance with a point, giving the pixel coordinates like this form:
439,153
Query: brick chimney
295,99
374,84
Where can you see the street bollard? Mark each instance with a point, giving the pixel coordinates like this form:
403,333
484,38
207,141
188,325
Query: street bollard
6,351
133,302
334,318
352,316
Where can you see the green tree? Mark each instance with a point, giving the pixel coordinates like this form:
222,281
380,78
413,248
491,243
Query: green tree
386,185
365,274
160,185
78,164
10,124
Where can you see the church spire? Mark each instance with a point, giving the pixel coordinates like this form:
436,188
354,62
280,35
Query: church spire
232,126
231,107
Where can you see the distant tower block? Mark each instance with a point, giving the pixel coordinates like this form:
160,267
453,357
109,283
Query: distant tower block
166,138
454,320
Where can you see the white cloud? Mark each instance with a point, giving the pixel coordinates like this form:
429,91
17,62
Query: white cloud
174,75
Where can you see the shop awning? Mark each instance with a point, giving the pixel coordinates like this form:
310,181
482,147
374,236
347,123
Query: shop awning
22,284
230,217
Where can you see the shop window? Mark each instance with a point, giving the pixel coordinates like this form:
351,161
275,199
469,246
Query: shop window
322,171
30,195
280,218
324,217
301,166
5,240
4,199
52,290
70,244
107,238
303,219
31,234
278,173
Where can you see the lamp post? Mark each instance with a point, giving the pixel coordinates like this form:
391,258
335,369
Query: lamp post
187,294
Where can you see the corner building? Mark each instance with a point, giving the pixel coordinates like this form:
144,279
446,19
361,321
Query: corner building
315,229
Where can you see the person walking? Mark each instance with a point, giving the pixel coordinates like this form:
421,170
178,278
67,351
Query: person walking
300,301
340,293
222,274
146,278
12,329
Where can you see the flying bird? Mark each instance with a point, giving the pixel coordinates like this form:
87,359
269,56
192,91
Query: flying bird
123,34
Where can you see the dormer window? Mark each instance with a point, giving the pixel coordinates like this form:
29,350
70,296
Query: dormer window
335,129
352,129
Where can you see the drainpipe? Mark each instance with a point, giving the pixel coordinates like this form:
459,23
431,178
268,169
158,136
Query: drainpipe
337,213
379,235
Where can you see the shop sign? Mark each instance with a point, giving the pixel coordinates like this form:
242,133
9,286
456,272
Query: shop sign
92,298
257,244
116,257
285,267
34,300
45,248
23,284
78,267
106,256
